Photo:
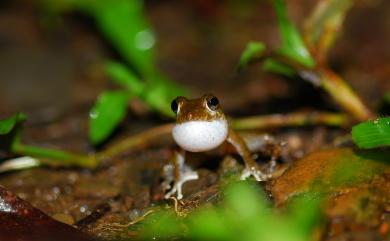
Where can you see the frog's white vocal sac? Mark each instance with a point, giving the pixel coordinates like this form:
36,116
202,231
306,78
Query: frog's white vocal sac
198,136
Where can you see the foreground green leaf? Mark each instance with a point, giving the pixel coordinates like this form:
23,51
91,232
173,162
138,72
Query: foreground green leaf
245,212
292,42
108,111
372,134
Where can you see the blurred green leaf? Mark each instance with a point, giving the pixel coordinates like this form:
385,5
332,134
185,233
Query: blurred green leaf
123,23
121,75
7,125
253,50
9,131
323,26
244,214
305,213
160,92
292,43
277,67
245,200
209,224
108,111
162,225
371,134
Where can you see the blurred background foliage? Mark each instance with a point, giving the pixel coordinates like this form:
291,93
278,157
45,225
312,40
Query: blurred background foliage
124,25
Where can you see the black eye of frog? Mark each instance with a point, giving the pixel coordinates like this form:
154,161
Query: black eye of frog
213,103
175,106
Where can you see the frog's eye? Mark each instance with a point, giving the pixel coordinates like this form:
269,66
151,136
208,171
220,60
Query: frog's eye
175,106
213,103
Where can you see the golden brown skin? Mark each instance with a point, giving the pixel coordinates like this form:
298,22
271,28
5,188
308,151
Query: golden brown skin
197,109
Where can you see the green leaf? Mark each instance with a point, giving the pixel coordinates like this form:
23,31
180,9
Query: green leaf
372,134
109,110
160,95
122,75
292,43
323,26
252,51
7,125
277,67
124,24
209,224
10,130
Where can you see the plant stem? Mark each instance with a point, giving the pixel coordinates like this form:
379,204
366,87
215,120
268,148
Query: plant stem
143,139
344,95
137,141
59,157
293,119
249,123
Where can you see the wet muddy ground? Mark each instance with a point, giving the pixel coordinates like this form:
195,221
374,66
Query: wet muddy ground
55,73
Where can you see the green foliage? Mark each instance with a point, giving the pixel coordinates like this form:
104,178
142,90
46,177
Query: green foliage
293,51
109,110
246,215
7,125
124,25
158,95
277,67
292,44
9,131
121,75
252,51
372,134
323,26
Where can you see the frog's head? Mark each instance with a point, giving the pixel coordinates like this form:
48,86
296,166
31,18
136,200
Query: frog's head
200,123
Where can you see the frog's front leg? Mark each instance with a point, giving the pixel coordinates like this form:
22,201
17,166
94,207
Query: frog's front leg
251,167
178,173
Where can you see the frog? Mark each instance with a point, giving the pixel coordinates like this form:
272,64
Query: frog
200,126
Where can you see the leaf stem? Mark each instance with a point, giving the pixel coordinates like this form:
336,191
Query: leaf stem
52,156
292,119
342,93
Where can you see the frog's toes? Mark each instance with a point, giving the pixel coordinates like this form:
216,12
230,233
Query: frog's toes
178,184
256,173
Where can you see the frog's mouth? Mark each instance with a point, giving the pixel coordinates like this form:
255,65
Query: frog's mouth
197,136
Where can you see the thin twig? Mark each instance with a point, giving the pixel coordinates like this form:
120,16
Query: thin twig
137,141
289,120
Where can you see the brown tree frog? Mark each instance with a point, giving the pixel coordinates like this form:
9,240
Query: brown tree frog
201,126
